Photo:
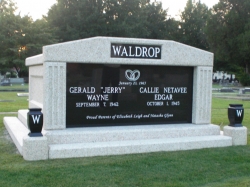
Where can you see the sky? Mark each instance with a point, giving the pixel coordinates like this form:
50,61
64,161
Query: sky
37,8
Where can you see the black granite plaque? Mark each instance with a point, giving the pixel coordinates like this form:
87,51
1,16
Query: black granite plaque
135,51
113,95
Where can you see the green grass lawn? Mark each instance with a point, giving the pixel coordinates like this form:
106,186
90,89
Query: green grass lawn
10,102
219,111
216,167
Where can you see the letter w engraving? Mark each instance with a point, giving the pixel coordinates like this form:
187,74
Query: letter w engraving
36,118
116,50
239,113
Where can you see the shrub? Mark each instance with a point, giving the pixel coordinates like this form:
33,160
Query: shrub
244,79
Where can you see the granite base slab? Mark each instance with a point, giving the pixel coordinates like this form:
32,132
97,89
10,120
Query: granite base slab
136,146
116,140
17,131
124,133
22,116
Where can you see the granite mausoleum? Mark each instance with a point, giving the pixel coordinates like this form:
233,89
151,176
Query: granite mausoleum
112,96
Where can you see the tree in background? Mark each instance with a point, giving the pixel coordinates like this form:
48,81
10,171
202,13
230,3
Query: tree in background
75,19
192,25
118,18
228,33
224,29
20,38
125,18
11,34
135,18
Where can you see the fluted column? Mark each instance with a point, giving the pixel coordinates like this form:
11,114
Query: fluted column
54,95
202,95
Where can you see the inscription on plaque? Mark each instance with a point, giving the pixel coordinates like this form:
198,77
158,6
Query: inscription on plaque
135,51
107,95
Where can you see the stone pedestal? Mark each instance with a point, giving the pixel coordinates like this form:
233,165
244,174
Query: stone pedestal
238,134
35,148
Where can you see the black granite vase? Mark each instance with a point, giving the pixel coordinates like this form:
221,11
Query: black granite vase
35,122
235,115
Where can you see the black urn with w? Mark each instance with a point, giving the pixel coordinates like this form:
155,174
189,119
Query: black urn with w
35,122
235,115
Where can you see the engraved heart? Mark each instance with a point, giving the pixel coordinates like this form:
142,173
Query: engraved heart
132,75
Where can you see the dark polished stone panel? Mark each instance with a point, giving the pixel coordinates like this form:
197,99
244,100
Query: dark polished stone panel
114,95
